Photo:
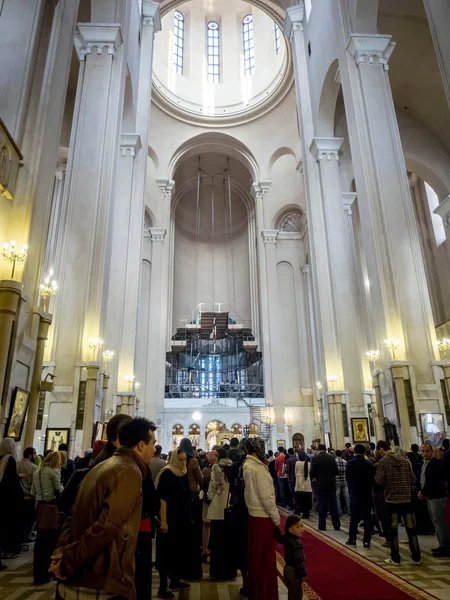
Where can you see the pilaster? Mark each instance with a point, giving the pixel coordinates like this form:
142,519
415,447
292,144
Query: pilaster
438,13
10,295
93,370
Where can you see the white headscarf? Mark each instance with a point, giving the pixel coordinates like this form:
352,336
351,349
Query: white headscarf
7,451
174,465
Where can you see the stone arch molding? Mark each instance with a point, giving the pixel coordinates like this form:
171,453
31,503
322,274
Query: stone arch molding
284,151
291,220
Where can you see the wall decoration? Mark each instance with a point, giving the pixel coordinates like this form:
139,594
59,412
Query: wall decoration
281,443
433,428
19,406
360,430
56,436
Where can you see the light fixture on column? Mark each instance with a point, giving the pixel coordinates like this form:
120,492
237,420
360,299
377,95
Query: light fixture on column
332,381
95,344
130,380
108,355
47,290
373,355
444,346
13,255
392,344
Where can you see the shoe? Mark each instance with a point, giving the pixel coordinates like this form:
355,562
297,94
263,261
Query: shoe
350,543
434,550
3,567
386,545
322,528
391,562
180,585
417,562
337,528
244,592
366,545
204,557
165,594
440,554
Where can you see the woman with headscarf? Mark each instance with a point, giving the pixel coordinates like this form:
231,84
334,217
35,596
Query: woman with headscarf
263,516
11,501
221,544
175,532
303,489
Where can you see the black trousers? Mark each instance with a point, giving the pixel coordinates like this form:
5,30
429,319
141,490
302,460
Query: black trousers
44,546
326,499
143,558
360,508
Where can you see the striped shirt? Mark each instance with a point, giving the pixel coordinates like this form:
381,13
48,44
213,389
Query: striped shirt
341,465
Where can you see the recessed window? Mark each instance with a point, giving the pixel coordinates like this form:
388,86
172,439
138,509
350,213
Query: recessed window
438,225
178,42
213,52
277,38
249,46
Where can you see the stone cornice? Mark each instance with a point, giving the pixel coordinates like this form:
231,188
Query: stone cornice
364,48
326,148
151,15
97,35
305,269
260,188
166,186
295,16
269,236
347,201
129,143
157,234
443,210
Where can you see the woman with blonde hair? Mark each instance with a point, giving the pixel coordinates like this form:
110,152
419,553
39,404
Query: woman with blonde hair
46,488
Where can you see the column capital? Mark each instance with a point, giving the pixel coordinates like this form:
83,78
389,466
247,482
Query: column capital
166,186
295,15
260,188
326,148
364,48
151,15
269,236
157,234
443,210
130,143
97,35
305,269
347,201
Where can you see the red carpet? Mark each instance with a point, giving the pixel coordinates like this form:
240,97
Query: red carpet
337,573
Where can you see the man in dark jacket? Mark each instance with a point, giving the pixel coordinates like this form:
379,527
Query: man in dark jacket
97,546
359,475
233,452
324,471
432,490
289,469
112,434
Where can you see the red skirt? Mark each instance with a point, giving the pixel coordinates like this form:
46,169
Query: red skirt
262,562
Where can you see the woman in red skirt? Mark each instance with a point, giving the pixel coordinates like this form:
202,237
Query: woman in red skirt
263,516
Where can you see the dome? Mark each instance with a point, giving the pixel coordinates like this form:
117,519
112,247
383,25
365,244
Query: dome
220,62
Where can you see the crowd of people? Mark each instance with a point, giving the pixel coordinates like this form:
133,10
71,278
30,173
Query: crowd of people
93,519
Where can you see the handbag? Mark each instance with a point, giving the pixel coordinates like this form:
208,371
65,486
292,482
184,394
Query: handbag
47,513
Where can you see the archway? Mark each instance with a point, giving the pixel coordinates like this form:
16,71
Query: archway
177,435
194,434
298,441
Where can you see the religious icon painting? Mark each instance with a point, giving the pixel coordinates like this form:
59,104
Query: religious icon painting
56,436
18,411
433,428
360,430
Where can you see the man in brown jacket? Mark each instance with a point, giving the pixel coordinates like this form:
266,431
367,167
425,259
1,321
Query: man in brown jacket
95,553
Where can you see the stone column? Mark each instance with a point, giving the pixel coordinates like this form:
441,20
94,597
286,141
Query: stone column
44,322
334,400
402,407
332,419
93,370
438,13
10,295
377,402
88,192
127,403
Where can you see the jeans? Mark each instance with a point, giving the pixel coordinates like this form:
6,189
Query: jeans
436,508
281,489
327,500
404,510
341,486
360,506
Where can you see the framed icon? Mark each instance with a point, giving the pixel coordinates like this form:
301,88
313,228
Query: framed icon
433,428
56,436
281,443
360,430
17,414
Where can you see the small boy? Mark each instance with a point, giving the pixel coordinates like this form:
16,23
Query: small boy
294,556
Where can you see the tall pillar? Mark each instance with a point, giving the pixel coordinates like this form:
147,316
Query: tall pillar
332,419
402,407
438,13
10,294
398,286
44,322
88,192
377,402
93,370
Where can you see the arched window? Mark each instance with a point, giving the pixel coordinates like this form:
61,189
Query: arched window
213,52
178,42
438,225
277,38
249,47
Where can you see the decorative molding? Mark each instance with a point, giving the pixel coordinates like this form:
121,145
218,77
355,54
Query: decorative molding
294,222
269,236
443,210
157,234
97,35
326,148
295,16
151,15
364,48
305,269
129,143
166,186
260,189
347,200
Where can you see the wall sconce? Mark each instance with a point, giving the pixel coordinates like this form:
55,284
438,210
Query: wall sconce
373,355
47,290
130,380
392,345
94,345
108,355
444,346
11,254
332,381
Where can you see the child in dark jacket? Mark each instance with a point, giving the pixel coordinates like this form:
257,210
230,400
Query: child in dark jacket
294,556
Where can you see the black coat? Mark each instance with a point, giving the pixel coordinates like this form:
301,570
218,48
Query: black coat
324,470
434,480
360,475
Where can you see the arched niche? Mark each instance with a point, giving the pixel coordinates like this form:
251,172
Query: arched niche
327,103
298,441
